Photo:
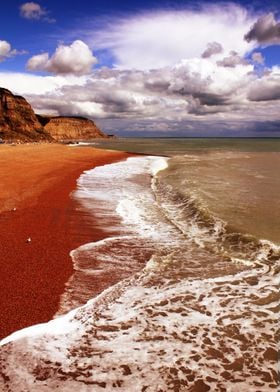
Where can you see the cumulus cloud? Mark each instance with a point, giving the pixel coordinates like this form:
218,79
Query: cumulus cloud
191,89
137,42
266,30
6,51
194,94
232,60
195,79
76,59
258,58
38,62
266,88
212,48
34,11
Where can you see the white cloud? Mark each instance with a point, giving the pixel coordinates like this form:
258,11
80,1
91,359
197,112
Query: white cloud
38,62
196,93
76,59
232,60
160,39
26,84
34,11
192,88
258,58
6,51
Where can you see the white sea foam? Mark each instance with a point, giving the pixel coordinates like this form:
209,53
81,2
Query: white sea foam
124,185
56,327
120,190
142,335
77,144
158,165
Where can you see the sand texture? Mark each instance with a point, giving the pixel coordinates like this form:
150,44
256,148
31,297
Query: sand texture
35,186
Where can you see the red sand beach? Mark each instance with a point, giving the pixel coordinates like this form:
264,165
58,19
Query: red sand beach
37,180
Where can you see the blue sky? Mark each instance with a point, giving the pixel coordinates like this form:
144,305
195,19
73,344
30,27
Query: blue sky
148,67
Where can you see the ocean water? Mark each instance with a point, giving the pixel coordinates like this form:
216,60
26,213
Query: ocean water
194,241
179,146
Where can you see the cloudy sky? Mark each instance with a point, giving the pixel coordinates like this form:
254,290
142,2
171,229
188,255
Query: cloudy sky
149,67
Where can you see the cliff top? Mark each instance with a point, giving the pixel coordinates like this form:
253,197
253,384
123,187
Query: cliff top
4,91
62,117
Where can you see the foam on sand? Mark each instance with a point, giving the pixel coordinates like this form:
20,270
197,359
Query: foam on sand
139,336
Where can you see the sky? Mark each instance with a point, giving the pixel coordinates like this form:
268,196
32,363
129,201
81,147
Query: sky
148,68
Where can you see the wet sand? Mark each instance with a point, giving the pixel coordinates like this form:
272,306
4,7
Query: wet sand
37,181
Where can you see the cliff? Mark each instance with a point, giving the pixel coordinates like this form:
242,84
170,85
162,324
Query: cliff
70,128
18,121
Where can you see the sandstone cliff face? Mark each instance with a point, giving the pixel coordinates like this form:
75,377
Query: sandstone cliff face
70,128
18,121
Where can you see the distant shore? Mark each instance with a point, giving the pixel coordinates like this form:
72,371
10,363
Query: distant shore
39,226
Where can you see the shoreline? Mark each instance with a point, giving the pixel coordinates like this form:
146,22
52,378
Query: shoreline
189,320
36,181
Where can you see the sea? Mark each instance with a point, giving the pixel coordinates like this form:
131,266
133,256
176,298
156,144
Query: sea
193,239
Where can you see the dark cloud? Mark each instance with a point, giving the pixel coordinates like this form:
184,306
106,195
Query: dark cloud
263,128
116,102
212,48
211,99
185,82
157,85
265,31
188,128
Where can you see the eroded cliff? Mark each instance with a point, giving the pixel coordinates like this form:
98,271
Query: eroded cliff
18,121
70,128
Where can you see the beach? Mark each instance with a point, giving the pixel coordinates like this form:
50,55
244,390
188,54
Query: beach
175,286
35,203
